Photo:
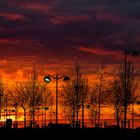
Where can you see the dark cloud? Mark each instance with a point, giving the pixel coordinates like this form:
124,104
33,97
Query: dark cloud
53,32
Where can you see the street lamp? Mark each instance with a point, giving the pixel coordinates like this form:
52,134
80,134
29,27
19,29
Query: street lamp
132,53
47,79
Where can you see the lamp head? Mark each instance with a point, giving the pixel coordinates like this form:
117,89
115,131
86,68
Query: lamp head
46,108
135,53
88,106
138,102
47,79
66,78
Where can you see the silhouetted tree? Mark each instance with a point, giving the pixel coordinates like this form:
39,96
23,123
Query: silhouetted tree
92,107
5,101
21,96
51,110
74,92
4,98
46,100
101,89
116,99
30,94
35,89
128,78
1,94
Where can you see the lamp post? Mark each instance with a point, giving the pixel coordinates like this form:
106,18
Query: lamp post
132,53
48,79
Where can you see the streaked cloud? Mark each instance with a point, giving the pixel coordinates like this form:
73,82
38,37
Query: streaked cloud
67,19
51,34
12,16
100,51
35,6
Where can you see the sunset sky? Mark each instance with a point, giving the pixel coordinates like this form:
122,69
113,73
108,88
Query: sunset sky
51,34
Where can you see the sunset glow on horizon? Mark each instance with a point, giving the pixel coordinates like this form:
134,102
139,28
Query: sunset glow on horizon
52,35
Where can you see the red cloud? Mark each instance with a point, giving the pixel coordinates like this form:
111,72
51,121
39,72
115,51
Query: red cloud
65,19
115,19
103,14
6,41
101,51
35,6
12,16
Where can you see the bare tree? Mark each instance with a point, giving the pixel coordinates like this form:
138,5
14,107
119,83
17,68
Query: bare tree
4,99
35,89
74,94
93,107
51,110
1,94
101,89
20,95
30,94
46,101
116,100
129,85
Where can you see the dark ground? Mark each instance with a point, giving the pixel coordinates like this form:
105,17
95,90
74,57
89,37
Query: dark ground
70,133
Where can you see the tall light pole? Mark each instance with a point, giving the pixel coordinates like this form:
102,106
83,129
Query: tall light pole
48,79
132,53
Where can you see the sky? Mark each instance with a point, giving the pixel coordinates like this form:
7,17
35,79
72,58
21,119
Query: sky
52,34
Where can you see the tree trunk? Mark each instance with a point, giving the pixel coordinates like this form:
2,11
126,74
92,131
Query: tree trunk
99,106
24,118
73,118
117,118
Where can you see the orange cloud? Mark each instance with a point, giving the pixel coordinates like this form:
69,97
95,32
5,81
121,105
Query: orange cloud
3,61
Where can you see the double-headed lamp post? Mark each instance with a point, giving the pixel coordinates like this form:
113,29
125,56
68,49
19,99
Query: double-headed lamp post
48,79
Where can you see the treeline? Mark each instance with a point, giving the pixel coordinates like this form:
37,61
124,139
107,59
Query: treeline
117,94
77,95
